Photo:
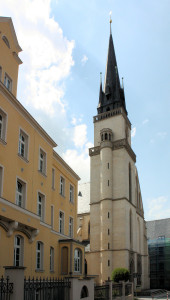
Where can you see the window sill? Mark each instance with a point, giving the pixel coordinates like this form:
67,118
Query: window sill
52,271
62,195
22,157
43,174
53,188
72,202
39,270
3,141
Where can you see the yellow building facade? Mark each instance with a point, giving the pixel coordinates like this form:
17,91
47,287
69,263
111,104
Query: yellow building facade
38,190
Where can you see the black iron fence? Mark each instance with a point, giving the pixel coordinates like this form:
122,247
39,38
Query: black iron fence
47,289
116,290
6,288
101,292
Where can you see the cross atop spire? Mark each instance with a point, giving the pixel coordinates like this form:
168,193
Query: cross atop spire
113,95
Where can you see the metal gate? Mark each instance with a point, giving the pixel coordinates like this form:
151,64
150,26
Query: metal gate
6,288
47,289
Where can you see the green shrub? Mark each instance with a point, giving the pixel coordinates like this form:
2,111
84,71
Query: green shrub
120,274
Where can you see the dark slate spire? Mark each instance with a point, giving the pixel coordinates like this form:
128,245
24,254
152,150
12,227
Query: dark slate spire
113,95
100,92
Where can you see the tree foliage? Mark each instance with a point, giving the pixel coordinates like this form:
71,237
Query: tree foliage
120,274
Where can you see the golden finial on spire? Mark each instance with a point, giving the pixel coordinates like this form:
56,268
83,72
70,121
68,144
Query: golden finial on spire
110,20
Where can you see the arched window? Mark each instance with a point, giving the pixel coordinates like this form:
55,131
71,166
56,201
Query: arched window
89,230
130,183
130,230
64,260
132,269
6,41
84,292
139,236
102,137
18,250
108,108
77,260
105,136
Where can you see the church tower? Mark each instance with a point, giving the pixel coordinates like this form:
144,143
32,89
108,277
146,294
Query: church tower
117,226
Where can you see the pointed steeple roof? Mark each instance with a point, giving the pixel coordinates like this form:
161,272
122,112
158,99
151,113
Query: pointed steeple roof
113,94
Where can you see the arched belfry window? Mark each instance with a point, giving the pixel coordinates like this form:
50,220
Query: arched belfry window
105,136
108,108
6,41
130,183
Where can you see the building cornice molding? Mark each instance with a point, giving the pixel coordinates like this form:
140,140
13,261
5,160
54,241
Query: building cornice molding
120,144
60,160
9,21
11,98
112,113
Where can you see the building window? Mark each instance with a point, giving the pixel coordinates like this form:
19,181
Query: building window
108,215
1,180
62,186
71,193
108,231
108,246
108,183
18,251
108,165
0,73
41,206
20,193
51,259
39,256
3,121
53,179
130,229
8,82
52,216
23,144
70,227
4,38
77,260
42,162
61,222
108,263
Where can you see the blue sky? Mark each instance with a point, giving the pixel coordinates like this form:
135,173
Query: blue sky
64,50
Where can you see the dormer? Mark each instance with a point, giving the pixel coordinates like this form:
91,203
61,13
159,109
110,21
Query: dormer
9,59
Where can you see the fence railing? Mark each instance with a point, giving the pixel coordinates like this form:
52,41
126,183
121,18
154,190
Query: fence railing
101,292
6,288
116,290
46,289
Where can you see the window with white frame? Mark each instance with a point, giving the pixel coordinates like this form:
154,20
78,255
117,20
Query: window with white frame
53,178
51,259
62,186
20,193
61,222
1,180
52,216
71,193
77,260
3,120
70,227
41,206
18,250
8,82
23,144
39,256
42,161
0,73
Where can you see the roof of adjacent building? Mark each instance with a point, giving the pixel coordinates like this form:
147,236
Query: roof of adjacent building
84,198
158,228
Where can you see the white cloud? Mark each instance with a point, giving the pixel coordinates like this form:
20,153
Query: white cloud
79,162
80,135
47,54
133,132
84,60
74,121
162,134
145,121
158,208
